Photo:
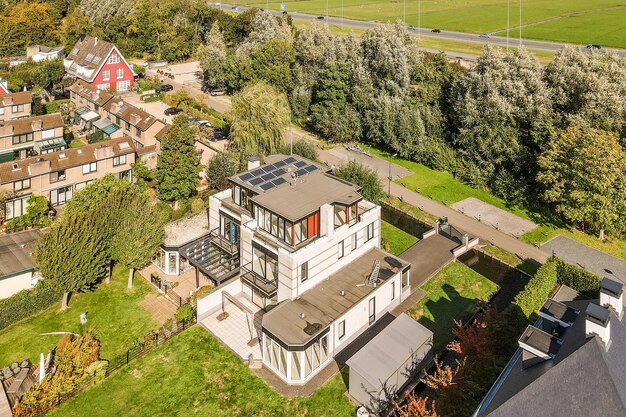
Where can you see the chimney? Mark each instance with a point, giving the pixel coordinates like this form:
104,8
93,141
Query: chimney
7,100
253,162
36,125
115,107
611,295
95,41
40,166
598,322
537,346
134,118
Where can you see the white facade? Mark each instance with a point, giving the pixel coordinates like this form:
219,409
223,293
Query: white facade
13,284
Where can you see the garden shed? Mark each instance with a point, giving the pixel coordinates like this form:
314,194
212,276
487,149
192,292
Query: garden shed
388,362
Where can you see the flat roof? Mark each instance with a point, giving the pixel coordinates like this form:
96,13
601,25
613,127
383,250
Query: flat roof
559,311
540,340
324,303
187,229
389,350
16,250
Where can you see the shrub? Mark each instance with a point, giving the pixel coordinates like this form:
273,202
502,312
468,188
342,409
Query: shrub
305,148
202,291
532,297
185,313
143,172
96,371
196,204
27,303
221,166
579,279
364,177
164,211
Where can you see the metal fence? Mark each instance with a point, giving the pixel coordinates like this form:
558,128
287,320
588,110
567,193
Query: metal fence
167,287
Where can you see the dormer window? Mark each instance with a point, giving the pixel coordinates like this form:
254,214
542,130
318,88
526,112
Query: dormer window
113,59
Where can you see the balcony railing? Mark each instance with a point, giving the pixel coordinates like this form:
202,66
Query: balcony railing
231,247
267,287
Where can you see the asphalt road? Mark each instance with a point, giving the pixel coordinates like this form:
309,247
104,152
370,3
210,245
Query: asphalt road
427,32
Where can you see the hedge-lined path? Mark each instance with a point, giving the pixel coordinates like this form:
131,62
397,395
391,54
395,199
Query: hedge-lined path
600,263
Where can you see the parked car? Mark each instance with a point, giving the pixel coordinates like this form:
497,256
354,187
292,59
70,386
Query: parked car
165,87
485,35
594,46
218,134
436,31
320,17
217,92
412,27
171,111
204,88
204,123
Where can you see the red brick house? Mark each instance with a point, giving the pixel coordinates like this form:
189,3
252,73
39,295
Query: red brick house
99,63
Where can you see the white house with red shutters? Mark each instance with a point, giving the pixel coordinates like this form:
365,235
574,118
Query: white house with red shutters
99,63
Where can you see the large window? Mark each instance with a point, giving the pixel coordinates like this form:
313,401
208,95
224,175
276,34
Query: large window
264,263
304,271
90,167
290,233
372,310
341,331
119,160
119,73
16,207
106,75
369,232
60,195
26,137
21,185
122,85
17,108
345,214
242,197
229,229
57,176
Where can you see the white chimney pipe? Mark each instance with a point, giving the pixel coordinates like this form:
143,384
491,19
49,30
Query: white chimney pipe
611,295
598,322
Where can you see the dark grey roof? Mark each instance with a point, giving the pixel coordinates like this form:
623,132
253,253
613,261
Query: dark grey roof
585,377
539,340
559,311
613,287
597,313
15,252
386,353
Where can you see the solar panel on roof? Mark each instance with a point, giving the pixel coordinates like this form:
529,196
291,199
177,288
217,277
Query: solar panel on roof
257,172
300,164
280,164
301,172
290,160
310,168
279,181
267,186
246,176
256,181
279,172
268,176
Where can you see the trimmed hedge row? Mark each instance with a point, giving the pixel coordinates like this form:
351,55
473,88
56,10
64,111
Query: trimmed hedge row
579,279
530,300
26,303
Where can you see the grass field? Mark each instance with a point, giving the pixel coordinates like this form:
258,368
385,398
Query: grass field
398,240
593,21
450,295
114,315
194,375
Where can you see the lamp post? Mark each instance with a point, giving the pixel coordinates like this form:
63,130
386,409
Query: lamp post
389,177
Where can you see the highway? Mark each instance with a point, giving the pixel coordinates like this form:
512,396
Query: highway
428,33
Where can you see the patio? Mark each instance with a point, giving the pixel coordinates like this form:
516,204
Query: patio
185,283
235,330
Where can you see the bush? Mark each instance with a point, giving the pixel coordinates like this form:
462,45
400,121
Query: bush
27,303
202,291
185,313
305,148
530,300
364,177
579,279
221,166
36,215
196,204
96,371
143,172
164,211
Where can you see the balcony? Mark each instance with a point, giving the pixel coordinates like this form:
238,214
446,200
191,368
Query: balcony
232,248
268,288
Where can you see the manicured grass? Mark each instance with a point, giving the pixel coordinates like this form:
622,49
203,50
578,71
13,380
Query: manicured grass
54,106
114,315
412,210
451,295
194,375
593,21
398,239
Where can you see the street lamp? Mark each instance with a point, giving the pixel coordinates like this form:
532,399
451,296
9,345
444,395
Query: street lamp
389,177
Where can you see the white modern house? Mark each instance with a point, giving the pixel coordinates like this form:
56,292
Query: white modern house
40,53
307,248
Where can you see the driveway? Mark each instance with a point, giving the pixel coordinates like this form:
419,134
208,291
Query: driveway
155,108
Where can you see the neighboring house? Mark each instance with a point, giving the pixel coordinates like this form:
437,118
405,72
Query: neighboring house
15,105
30,136
570,363
306,246
4,88
58,175
38,53
99,63
16,262
384,367
85,96
134,122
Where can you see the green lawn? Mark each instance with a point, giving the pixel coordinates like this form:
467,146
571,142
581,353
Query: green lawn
77,144
593,21
114,315
194,375
450,295
398,239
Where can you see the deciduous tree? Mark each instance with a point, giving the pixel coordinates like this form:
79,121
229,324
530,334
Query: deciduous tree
364,177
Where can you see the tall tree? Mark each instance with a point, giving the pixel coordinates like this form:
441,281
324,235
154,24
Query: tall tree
75,24
71,255
178,164
139,231
583,171
222,166
212,55
259,118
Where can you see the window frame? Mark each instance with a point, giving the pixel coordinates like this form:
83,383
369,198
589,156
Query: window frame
372,310
341,330
21,183
106,75
91,167
341,249
119,160
304,271
369,232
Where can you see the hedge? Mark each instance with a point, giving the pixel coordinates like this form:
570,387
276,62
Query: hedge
579,279
534,294
26,303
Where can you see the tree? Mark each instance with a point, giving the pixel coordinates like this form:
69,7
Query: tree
178,164
416,407
364,177
26,23
75,24
305,148
71,255
259,118
212,55
138,230
221,166
583,173
49,74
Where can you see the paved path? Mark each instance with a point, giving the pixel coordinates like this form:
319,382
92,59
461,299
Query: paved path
598,262
471,226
